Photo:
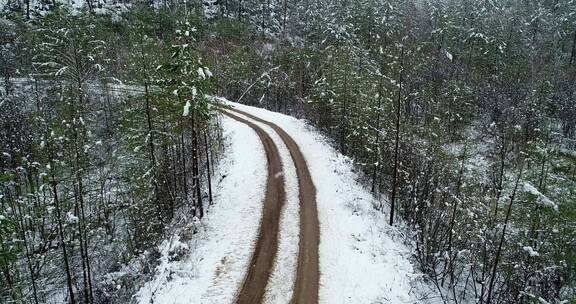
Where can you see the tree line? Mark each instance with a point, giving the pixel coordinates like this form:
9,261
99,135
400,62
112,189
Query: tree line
461,115
107,141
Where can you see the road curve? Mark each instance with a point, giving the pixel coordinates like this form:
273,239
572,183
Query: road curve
307,272
262,261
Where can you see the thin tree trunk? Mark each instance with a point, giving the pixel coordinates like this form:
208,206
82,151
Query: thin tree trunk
150,138
543,168
79,205
503,153
453,221
199,210
502,237
152,150
239,9
90,6
207,149
284,18
80,196
376,164
86,244
82,252
61,236
24,237
7,84
396,141
343,114
573,55
6,272
185,172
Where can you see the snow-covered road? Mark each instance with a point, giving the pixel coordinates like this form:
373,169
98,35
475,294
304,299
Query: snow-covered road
361,258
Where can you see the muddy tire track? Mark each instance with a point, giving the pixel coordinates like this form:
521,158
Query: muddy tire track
307,273
264,254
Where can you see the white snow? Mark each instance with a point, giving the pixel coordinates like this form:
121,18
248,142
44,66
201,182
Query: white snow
531,251
186,109
201,73
207,72
71,217
540,197
448,55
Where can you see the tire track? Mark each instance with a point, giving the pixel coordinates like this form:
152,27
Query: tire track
307,272
262,261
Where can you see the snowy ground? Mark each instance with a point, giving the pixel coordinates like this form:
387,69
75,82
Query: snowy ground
362,259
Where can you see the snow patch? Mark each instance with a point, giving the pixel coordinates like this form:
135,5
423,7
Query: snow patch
540,198
186,111
201,73
71,218
448,55
530,251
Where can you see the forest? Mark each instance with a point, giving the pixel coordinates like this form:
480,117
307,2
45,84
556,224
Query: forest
459,116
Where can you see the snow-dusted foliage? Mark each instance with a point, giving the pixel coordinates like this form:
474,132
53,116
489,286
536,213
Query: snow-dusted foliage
94,170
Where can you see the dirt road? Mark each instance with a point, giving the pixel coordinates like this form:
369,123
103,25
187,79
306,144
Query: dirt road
307,272
254,285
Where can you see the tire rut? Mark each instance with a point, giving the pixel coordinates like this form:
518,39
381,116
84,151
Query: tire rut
262,261
307,273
